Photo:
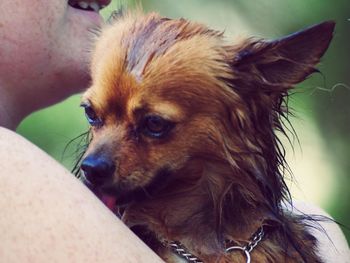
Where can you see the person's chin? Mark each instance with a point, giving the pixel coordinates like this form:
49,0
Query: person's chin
71,55
78,38
90,18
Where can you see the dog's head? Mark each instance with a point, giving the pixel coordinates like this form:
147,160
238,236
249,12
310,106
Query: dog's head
170,98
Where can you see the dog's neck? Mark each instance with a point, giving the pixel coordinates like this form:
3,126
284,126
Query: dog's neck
194,210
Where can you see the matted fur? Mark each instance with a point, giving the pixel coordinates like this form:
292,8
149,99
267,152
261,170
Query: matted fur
219,171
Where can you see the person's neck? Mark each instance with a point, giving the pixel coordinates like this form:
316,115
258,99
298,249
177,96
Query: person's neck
10,112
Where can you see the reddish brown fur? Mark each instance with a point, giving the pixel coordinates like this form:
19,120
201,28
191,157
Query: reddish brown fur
222,154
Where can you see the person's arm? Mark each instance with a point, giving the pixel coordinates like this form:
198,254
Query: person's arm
49,216
332,248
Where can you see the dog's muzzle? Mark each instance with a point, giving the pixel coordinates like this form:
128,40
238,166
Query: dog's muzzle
98,170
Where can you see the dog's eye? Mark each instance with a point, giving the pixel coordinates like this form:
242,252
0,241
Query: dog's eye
91,116
155,126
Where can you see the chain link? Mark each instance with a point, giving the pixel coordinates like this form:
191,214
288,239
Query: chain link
179,249
257,237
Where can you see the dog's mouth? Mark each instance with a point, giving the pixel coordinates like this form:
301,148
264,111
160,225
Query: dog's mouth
109,200
89,5
118,196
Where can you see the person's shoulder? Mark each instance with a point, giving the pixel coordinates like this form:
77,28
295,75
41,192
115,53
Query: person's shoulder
12,142
11,138
19,154
332,244
7,134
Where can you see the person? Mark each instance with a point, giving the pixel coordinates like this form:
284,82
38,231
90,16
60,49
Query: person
47,214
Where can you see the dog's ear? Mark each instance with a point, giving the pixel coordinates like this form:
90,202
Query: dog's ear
285,61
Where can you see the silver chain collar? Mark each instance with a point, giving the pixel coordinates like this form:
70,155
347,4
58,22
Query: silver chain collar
179,249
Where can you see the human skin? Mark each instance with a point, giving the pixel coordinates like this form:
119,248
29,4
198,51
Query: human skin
43,55
47,215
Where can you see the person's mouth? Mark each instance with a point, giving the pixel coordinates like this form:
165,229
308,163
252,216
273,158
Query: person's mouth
89,5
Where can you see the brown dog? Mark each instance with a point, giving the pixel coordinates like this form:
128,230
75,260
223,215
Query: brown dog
183,137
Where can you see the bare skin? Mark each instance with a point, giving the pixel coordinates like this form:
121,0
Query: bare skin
332,248
47,215
44,55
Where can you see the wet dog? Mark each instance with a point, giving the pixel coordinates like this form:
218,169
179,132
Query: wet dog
184,144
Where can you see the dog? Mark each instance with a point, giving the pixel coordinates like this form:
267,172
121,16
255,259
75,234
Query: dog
184,146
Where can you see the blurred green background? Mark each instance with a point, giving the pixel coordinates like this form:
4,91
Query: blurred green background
321,165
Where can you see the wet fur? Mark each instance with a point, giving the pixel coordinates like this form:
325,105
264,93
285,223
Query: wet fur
223,164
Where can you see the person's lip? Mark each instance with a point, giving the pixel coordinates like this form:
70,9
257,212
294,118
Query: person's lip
88,9
89,5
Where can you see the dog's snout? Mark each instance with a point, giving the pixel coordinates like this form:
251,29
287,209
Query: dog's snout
97,170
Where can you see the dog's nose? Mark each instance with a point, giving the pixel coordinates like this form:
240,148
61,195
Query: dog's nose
97,170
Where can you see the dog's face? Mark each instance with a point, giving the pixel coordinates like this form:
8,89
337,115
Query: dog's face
162,101
152,118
